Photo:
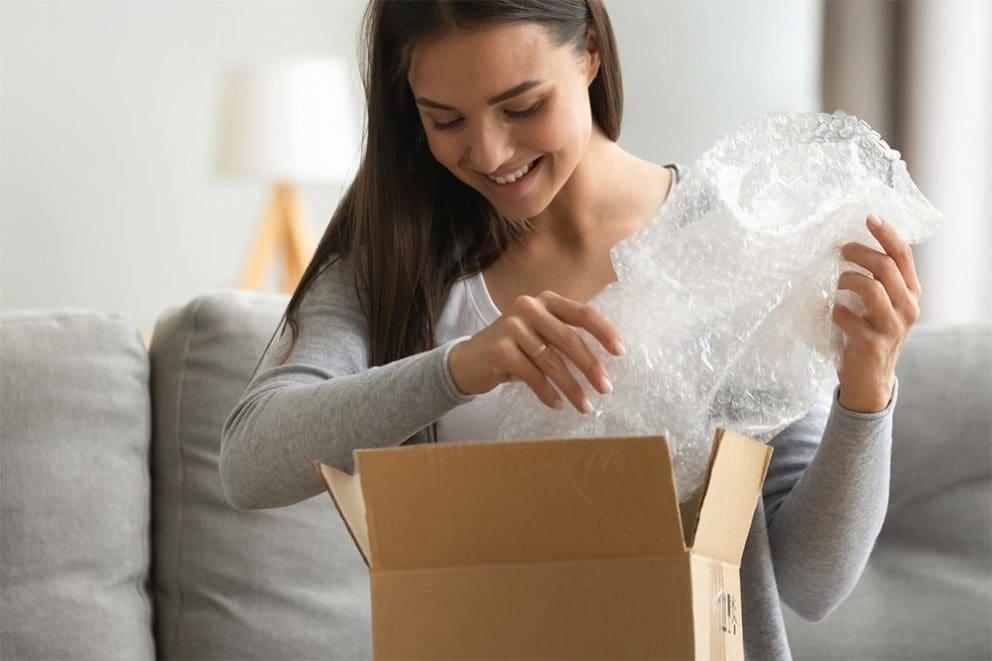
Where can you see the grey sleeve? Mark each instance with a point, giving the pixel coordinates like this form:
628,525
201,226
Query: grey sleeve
826,495
325,401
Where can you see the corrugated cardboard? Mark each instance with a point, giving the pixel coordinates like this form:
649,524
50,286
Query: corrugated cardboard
557,548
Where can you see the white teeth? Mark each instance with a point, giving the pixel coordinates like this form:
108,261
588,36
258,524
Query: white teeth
510,178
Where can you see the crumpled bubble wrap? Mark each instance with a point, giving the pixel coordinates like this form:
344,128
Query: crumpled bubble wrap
724,299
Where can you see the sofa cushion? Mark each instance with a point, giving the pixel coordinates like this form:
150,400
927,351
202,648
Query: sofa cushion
74,442
926,592
281,583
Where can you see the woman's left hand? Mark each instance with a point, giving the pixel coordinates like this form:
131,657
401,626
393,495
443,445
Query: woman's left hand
874,339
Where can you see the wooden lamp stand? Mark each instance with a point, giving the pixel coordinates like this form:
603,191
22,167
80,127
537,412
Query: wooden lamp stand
285,229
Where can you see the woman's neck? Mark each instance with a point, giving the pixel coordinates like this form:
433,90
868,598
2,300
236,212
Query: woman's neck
596,197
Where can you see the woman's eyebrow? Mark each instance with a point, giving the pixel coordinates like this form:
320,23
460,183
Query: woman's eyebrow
502,96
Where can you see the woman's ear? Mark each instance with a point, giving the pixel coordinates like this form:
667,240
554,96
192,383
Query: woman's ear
592,55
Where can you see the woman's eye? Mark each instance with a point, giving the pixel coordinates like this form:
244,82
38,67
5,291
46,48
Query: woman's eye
447,125
524,113
516,114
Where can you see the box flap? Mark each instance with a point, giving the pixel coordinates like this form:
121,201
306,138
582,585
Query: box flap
477,503
737,471
346,492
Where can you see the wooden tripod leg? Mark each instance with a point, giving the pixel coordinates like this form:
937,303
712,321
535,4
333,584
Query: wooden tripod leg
287,282
299,244
265,244
284,233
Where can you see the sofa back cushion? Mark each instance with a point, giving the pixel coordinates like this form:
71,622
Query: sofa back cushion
74,441
280,583
926,592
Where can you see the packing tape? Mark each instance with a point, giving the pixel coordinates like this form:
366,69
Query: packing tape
725,612
718,645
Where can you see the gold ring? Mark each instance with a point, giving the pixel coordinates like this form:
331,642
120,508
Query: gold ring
537,353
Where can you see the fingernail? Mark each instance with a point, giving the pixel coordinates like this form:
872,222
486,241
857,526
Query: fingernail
605,385
586,405
874,221
619,348
557,404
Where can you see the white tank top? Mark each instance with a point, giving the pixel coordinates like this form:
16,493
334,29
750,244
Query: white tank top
467,311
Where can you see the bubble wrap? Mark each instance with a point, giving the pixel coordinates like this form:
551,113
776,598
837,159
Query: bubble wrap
724,299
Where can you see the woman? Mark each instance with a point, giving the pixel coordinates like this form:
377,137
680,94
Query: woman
462,256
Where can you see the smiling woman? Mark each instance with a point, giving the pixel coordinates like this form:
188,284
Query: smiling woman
491,147
492,143
464,255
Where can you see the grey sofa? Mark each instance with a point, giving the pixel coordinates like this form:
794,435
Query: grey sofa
117,541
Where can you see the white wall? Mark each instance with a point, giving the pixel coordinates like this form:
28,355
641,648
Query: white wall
108,197
107,194
951,146
694,69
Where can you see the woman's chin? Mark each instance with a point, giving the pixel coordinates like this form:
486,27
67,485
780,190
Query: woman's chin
524,207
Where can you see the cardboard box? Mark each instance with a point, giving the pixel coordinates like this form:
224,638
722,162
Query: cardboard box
557,548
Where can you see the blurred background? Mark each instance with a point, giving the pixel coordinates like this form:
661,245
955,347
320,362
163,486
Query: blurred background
123,186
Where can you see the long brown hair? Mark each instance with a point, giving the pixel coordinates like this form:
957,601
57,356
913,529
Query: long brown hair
407,227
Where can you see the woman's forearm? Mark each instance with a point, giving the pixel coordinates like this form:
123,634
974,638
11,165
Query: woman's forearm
283,423
823,531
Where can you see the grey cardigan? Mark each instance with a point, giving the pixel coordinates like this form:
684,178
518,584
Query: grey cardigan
822,506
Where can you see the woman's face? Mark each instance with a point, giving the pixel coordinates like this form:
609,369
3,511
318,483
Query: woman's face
498,100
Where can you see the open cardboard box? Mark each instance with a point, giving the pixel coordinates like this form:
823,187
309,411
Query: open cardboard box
557,548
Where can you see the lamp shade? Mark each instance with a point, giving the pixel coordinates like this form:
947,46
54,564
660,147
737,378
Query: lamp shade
291,121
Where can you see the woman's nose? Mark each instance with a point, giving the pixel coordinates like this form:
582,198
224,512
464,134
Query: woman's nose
488,148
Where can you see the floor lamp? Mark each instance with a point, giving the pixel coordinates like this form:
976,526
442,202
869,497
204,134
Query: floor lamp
286,124
285,233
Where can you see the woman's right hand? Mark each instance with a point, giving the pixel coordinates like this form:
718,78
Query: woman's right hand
510,349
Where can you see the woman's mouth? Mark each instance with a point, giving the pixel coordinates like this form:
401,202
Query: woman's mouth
514,183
